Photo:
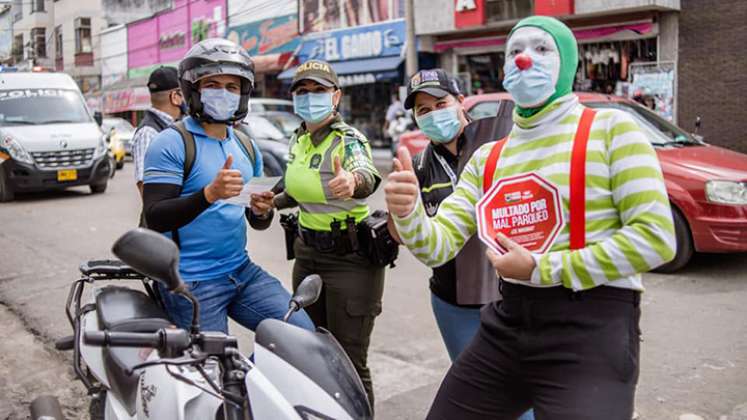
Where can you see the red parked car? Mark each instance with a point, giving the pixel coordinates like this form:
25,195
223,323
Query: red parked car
707,185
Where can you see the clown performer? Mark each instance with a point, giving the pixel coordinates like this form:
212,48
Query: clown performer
578,208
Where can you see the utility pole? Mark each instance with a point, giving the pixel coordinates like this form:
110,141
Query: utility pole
411,57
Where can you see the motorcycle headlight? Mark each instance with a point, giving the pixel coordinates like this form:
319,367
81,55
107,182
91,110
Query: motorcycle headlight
100,148
727,192
15,150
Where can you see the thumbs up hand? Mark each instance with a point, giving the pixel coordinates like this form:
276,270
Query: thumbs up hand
343,184
517,263
402,188
226,184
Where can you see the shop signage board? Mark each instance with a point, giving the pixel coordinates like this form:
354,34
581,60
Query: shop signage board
134,99
526,208
320,16
469,13
658,80
372,41
553,7
269,36
167,36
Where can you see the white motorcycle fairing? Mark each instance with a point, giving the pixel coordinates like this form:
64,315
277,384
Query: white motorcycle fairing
303,374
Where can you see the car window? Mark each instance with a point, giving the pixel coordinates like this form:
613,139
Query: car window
42,106
659,131
261,128
484,110
285,121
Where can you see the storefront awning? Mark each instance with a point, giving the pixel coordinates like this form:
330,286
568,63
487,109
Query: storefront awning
125,95
378,68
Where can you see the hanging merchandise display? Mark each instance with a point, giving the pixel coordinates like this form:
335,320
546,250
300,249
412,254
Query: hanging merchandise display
604,67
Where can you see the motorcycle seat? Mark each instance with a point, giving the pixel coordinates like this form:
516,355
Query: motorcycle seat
109,268
128,310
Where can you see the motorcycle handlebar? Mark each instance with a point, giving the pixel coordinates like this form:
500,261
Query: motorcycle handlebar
171,339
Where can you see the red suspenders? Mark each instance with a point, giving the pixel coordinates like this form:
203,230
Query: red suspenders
577,224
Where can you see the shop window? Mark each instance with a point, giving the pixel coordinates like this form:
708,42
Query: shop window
501,10
605,66
83,36
37,6
58,48
18,47
39,39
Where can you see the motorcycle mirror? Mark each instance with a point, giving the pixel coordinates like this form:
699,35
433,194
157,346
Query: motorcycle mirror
308,291
150,254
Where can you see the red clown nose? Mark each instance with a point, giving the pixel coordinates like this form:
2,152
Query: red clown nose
523,61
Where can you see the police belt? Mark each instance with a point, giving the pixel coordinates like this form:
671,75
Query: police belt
341,242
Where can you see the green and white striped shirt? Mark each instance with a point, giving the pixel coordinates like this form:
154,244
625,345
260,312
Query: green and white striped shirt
629,227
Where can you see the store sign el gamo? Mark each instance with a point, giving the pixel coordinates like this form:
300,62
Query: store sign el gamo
360,43
525,208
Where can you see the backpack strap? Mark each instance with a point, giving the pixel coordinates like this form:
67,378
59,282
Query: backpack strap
189,149
189,160
492,163
247,144
578,181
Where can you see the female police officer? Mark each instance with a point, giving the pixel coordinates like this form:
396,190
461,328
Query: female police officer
329,176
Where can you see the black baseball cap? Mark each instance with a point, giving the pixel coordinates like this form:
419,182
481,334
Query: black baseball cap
318,71
163,78
435,82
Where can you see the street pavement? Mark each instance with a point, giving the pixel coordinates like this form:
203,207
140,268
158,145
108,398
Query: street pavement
694,350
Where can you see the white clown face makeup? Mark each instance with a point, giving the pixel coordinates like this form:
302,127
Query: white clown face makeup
531,47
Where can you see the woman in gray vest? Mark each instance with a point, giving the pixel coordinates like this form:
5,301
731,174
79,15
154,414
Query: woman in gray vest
462,286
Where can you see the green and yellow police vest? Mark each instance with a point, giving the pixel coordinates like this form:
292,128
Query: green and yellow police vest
309,172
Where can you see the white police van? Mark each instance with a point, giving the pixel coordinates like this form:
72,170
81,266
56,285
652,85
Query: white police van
49,139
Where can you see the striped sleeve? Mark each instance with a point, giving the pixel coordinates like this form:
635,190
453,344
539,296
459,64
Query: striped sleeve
646,239
437,240
141,140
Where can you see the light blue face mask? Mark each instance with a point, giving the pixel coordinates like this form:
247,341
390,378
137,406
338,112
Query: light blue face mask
313,107
219,104
530,87
441,125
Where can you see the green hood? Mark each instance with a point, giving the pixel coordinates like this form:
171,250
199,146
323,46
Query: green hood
568,49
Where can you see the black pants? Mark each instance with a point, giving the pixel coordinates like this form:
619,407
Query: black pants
568,355
349,303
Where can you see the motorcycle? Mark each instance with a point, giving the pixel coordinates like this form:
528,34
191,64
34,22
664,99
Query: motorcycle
137,365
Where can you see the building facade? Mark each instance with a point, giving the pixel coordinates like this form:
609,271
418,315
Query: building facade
63,35
712,76
625,46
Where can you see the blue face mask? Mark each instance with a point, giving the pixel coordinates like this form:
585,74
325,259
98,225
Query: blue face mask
530,87
441,125
313,107
219,104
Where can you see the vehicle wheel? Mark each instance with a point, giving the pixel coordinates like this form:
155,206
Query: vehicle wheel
6,190
685,248
98,188
120,164
97,407
46,407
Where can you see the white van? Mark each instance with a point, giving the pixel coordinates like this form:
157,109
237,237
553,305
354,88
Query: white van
48,137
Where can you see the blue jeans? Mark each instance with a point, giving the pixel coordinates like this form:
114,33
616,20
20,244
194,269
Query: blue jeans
457,326
248,296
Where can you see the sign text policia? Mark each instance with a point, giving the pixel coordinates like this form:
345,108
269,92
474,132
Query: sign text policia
379,40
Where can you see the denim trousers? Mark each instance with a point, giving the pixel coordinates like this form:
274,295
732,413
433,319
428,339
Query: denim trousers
458,325
248,295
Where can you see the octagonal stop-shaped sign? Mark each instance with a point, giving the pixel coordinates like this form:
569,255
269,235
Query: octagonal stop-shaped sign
526,208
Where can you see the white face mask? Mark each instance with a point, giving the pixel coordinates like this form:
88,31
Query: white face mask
531,79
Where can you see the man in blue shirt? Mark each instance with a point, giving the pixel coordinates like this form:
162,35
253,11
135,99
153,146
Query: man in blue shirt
216,78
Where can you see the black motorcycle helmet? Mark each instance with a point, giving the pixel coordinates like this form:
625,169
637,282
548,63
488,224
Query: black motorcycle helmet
212,57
